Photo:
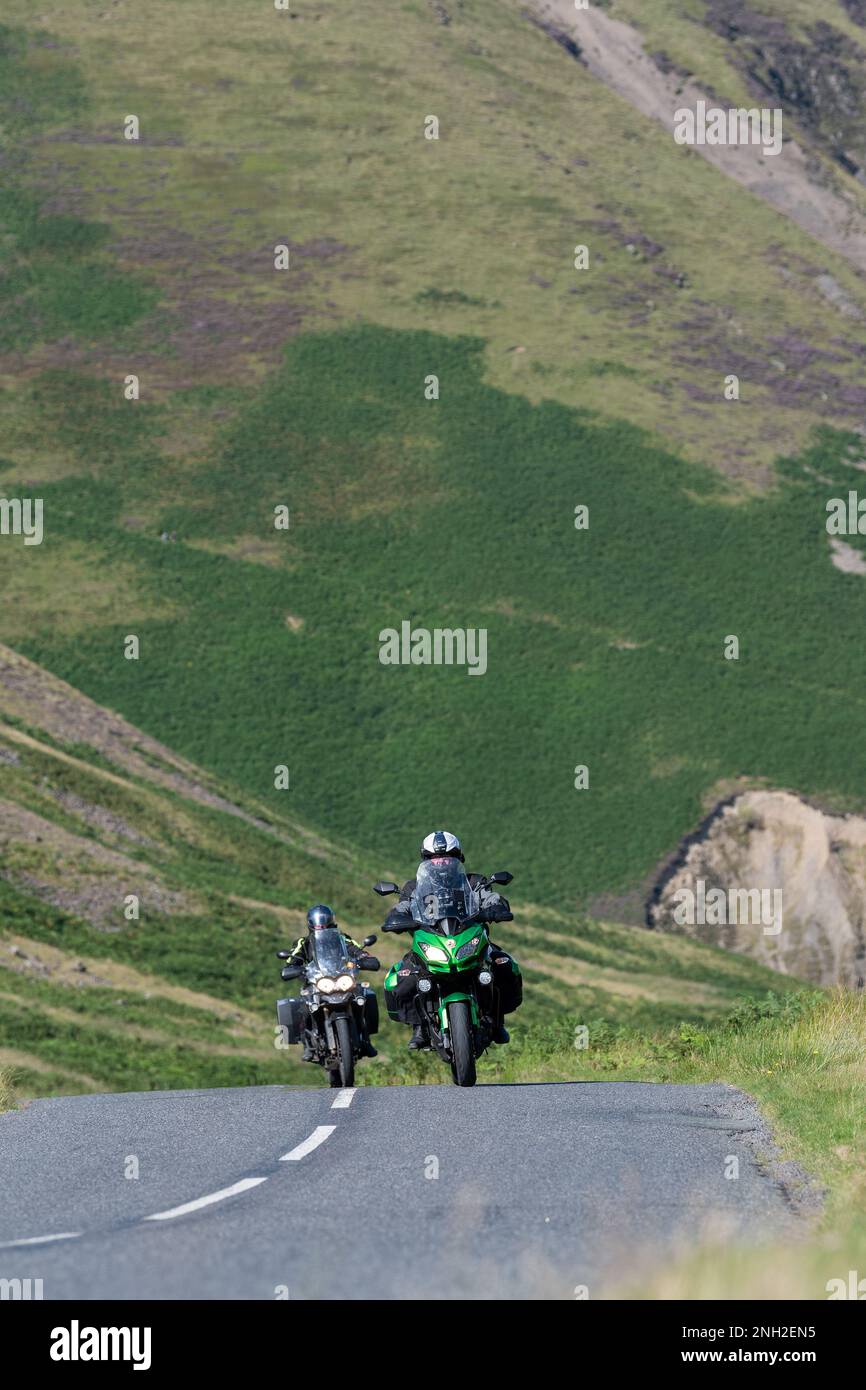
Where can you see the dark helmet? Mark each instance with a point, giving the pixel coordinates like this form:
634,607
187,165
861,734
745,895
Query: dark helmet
441,844
320,916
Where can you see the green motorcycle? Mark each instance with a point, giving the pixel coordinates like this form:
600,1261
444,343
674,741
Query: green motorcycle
455,992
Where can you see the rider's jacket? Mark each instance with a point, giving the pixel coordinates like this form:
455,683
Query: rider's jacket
495,907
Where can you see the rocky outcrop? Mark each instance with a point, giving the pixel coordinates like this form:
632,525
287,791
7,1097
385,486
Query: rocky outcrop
771,877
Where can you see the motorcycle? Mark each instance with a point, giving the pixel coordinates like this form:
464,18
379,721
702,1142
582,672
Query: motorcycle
455,995
335,1012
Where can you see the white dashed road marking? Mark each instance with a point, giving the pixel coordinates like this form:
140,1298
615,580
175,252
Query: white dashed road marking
40,1240
342,1100
318,1136
242,1186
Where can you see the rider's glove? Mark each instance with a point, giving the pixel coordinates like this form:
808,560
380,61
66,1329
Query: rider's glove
499,913
396,921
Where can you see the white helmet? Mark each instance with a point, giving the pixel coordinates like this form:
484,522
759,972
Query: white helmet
440,844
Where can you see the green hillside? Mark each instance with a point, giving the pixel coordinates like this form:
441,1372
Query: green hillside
305,389
605,646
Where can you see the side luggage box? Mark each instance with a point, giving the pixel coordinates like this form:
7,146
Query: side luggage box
371,1010
390,997
290,1016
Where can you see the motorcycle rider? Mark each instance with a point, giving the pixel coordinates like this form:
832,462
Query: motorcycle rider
321,918
441,844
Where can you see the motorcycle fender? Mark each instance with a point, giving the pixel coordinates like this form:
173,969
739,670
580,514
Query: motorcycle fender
452,999
331,1032
330,1037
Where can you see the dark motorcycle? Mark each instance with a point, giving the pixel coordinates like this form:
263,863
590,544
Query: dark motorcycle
335,1013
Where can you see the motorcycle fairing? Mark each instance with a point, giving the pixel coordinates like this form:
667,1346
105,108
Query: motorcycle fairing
426,944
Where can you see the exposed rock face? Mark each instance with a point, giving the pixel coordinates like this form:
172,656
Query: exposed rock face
773,841
817,79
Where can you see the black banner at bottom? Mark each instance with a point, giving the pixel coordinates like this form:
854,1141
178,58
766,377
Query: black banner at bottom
154,1338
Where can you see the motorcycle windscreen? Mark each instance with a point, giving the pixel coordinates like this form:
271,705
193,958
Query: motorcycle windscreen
443,890
330,951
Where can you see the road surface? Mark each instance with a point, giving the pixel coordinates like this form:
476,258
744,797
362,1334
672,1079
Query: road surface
539,1191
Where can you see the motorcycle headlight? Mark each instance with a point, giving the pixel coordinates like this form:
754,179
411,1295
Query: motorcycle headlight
326,985
345,981
435,953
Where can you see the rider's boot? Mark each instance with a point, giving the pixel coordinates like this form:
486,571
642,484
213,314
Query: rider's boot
418,1038
501,1033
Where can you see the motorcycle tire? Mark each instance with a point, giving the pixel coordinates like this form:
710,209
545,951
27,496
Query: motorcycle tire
462,1045
343,1030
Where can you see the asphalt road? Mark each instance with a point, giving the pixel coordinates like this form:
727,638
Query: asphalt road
541,1189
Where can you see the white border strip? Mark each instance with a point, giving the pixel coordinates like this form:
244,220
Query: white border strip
343,1099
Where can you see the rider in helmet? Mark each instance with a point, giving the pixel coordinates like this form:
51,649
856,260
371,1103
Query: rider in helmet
321,918
441,844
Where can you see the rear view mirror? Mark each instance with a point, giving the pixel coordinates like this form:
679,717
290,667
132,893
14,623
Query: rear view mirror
369,940
283,955
383,888
502,877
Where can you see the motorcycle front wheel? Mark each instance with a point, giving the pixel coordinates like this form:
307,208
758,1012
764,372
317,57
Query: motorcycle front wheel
343,1031
462,1047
